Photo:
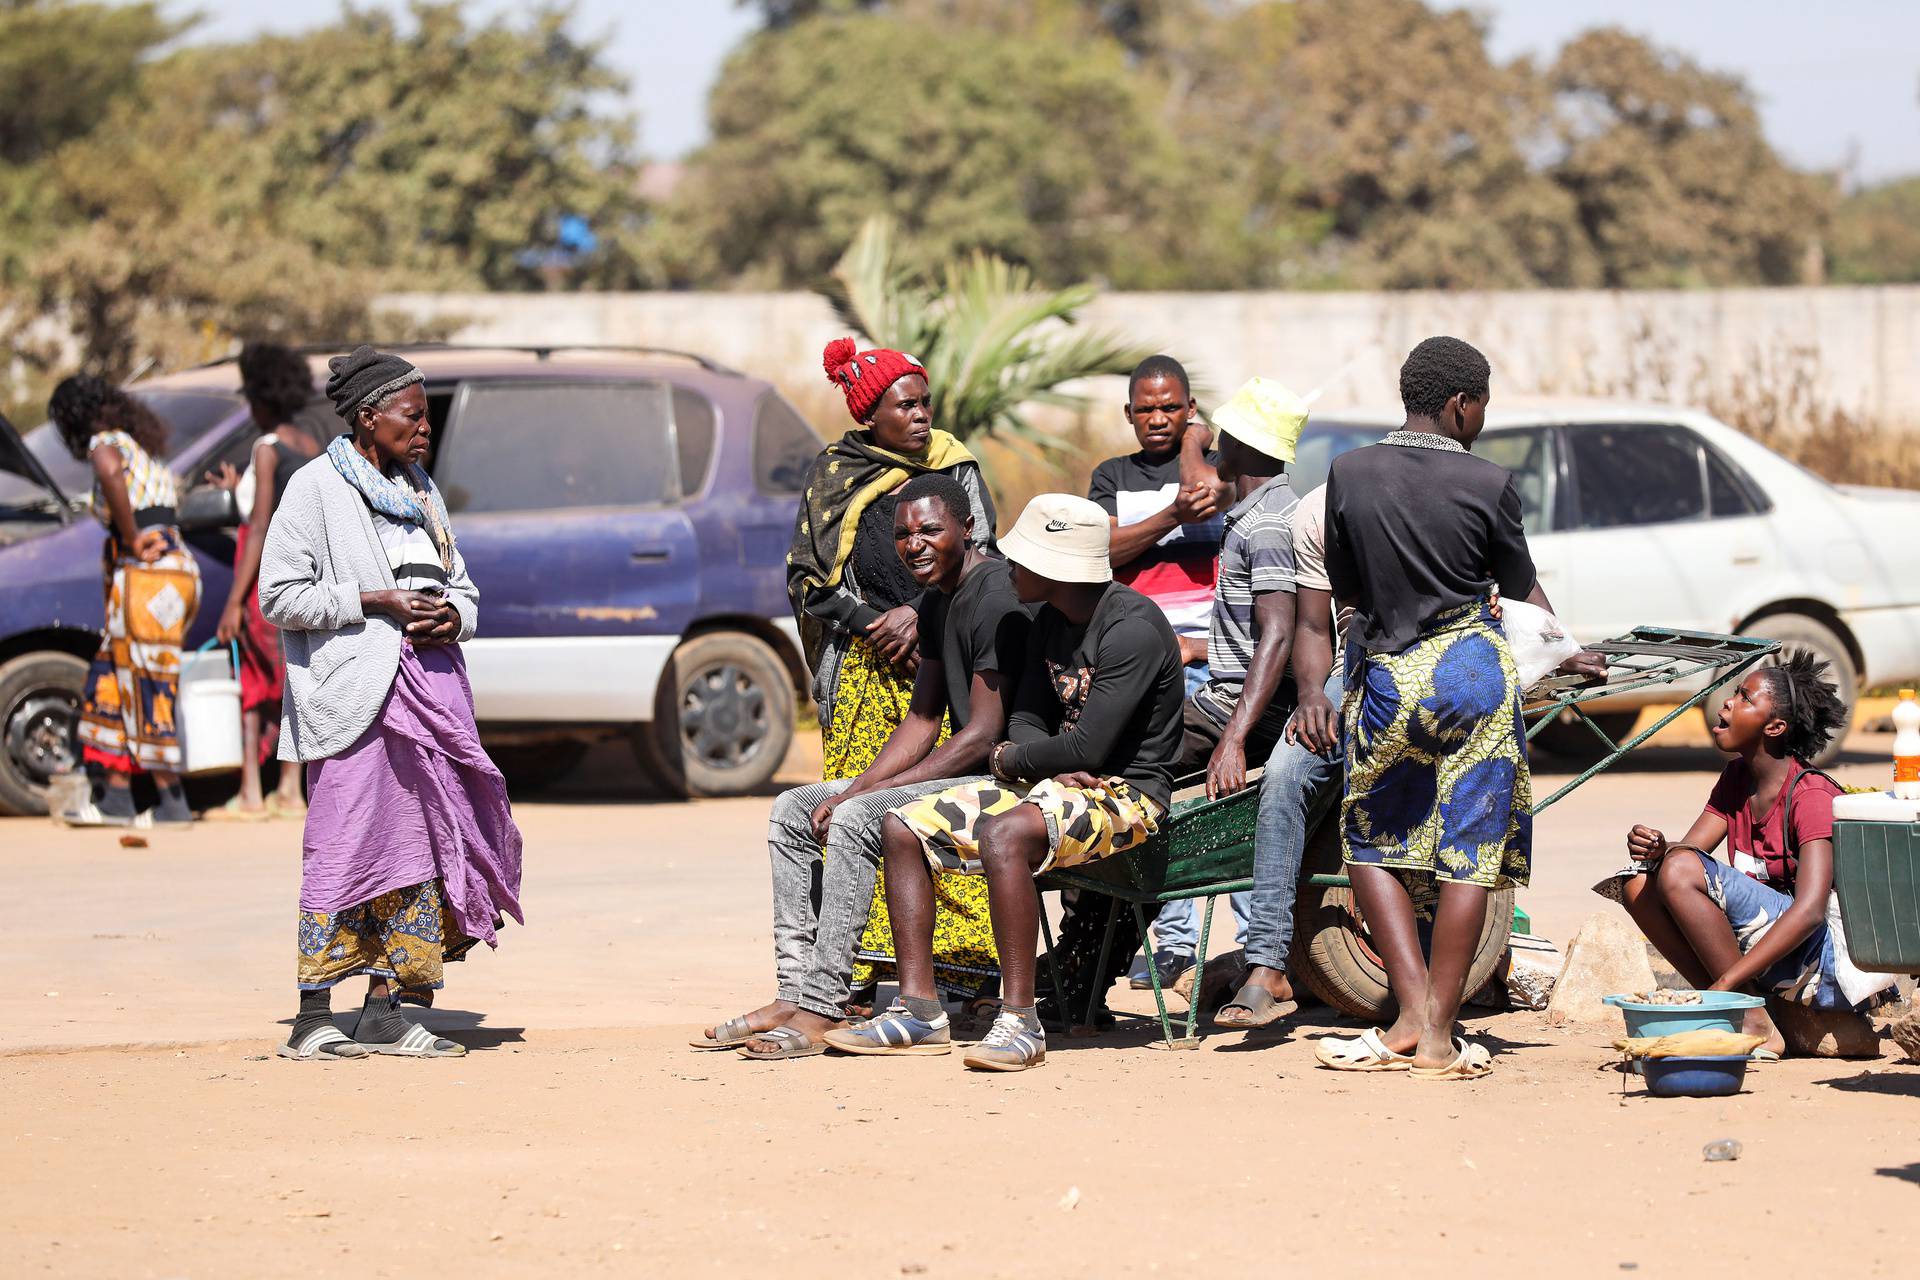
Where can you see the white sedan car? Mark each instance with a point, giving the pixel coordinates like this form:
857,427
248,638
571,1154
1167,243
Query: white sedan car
1651,515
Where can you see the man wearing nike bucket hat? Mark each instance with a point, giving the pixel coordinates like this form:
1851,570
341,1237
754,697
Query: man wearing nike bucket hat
1086,772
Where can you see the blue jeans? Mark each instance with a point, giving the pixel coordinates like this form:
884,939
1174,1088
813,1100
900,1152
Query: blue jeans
1295,793
1197,673
1177,928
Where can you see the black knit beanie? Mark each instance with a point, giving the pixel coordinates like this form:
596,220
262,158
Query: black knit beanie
353,380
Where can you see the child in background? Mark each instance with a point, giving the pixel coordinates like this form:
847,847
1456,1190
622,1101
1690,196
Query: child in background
1757,923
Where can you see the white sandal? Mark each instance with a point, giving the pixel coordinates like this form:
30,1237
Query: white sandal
1365,1052
418,1042
320,1044
1470,1062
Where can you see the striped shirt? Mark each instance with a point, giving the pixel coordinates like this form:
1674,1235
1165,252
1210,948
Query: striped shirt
149,483
411,555
1256,557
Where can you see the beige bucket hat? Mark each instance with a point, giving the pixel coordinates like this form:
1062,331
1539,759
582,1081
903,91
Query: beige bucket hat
1263,415
1063,538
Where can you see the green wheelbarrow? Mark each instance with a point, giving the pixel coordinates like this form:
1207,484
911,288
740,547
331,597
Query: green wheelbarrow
1205,848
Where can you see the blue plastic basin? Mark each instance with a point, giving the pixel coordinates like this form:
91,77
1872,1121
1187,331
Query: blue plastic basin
1717,1011
1714,1077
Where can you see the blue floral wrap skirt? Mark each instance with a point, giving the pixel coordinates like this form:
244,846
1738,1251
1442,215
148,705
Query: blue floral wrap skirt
1437,776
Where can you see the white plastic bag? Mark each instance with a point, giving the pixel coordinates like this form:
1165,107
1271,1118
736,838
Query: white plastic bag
1538,641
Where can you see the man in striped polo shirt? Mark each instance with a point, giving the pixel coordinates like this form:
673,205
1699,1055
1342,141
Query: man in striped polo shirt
1243,707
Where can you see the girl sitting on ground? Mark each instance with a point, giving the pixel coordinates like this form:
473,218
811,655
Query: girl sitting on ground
1757,923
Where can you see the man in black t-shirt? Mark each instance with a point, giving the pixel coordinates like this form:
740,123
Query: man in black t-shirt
973,635
1165,504
1086,771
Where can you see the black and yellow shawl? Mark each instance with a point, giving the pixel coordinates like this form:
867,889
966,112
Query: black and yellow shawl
844,480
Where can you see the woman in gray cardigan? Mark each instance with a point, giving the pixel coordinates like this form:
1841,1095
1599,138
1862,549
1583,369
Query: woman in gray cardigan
411,854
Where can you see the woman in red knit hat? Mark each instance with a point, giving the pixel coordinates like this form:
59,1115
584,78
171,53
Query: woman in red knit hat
855,603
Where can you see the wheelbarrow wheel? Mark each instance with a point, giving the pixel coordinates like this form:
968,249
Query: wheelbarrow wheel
1333,953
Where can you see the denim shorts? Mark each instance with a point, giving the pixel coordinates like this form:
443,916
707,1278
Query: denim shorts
1805,974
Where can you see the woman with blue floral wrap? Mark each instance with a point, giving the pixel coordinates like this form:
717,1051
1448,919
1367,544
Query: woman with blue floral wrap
1420,536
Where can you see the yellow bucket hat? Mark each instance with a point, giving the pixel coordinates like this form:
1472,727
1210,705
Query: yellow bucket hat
1263,415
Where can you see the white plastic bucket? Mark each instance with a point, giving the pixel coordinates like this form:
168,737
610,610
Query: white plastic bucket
210,710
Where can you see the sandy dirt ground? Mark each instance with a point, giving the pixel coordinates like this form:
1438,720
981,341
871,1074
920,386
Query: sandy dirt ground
148,1132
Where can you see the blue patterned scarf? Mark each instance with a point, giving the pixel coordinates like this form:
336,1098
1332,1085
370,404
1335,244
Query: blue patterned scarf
392,498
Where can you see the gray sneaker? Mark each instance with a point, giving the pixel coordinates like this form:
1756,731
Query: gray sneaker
1009,1046
894,1032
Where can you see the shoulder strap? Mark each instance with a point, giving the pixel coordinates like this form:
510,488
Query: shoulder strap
1786,805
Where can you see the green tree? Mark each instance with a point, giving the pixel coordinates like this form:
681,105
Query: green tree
274,186
1672,178
1876,235
61,65
1038,152
992,341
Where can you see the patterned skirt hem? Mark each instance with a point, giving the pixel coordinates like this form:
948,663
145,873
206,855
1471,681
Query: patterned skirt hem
1436,872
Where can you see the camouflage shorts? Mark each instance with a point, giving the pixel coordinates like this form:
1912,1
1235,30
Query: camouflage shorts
1084,824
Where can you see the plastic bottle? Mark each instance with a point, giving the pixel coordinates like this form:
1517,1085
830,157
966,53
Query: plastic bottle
1906,747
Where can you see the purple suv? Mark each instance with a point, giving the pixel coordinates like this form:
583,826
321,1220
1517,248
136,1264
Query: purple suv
626,514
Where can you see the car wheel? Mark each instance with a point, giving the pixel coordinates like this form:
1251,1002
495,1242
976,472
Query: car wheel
1333,953
1571,740
1797,631
40,697
723,718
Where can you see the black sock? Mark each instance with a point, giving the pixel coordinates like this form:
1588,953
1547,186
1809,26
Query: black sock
380,1021
316,1011
173,805
117,802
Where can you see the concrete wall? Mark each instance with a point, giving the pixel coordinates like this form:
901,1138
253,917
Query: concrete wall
1837,348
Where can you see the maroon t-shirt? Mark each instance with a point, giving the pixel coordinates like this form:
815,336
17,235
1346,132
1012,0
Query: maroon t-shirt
1759,847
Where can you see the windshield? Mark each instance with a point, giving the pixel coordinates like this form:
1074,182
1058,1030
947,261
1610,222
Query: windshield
1320,444
189,415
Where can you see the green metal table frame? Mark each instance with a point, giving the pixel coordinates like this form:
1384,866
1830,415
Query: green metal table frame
1206,847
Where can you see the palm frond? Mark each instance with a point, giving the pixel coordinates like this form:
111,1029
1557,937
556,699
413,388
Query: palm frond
991,339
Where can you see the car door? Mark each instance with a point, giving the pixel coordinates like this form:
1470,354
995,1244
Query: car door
1533,455
1645,547
565,499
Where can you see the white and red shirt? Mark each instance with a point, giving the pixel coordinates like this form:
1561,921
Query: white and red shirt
1178,572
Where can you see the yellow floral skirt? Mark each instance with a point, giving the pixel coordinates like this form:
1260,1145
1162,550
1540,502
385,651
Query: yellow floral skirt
406,935
870,704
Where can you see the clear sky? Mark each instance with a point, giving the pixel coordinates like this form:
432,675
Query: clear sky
1838,82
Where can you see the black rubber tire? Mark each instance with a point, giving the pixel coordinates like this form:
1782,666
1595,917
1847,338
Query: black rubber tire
739,754
1574,742
535,766
1797,631
1332,955
28,753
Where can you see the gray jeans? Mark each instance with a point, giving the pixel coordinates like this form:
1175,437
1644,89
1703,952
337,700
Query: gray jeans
820,903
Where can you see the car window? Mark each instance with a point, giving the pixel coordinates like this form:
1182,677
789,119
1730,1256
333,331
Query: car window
693,426
1322,442
784,446
1730,491
317,420
552,446
189,415
1633,475
1529,455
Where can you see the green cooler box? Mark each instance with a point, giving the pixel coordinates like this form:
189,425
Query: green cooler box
1876,875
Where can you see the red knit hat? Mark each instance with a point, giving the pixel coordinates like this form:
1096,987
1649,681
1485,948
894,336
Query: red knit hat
864,376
